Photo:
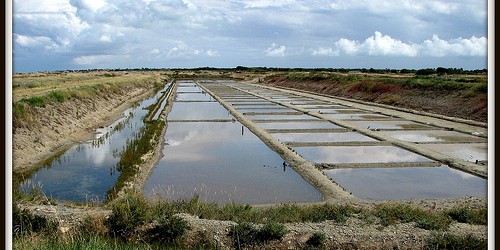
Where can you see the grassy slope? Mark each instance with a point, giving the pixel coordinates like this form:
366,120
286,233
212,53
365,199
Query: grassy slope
463,96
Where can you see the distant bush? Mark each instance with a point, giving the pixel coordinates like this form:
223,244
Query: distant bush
425,72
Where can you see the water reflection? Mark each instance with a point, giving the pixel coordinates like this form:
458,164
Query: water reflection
357,116
298,116
198,111
193,97
432,136
465,151
298,125
408,183
86,171
358,154
389,124
321,137
223,163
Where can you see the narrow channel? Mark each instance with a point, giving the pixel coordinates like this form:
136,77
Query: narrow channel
87,170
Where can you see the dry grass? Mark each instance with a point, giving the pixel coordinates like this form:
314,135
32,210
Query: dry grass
34,85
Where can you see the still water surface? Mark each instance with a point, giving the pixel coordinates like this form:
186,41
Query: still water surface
408,183
86,171
223,162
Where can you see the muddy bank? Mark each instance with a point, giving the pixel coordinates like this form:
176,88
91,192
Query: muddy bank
57,126
152,158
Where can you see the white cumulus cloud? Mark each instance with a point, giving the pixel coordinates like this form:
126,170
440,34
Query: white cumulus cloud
456,47
384,45
276,51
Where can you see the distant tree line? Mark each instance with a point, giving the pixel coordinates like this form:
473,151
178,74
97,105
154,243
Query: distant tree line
239,69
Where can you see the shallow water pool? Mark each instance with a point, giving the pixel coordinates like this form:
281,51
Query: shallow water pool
408,183
223,162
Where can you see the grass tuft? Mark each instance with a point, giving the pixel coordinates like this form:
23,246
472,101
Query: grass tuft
450,241
471,216
404,213
316,240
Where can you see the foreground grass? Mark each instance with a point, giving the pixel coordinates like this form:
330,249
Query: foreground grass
137,223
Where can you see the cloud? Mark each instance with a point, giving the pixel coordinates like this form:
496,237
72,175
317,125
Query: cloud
97,59
456,47
105,39
384,45
267,3
275,51
325,52
212,53
34,41
236,32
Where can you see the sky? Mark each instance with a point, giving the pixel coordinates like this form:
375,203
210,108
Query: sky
53,35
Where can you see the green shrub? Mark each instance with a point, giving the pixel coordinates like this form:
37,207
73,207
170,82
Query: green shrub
59,96
433,221
316,240
450,241
243,234
337,213
271,231
35,101
392,213
168,230
480,88
127,215
471,216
